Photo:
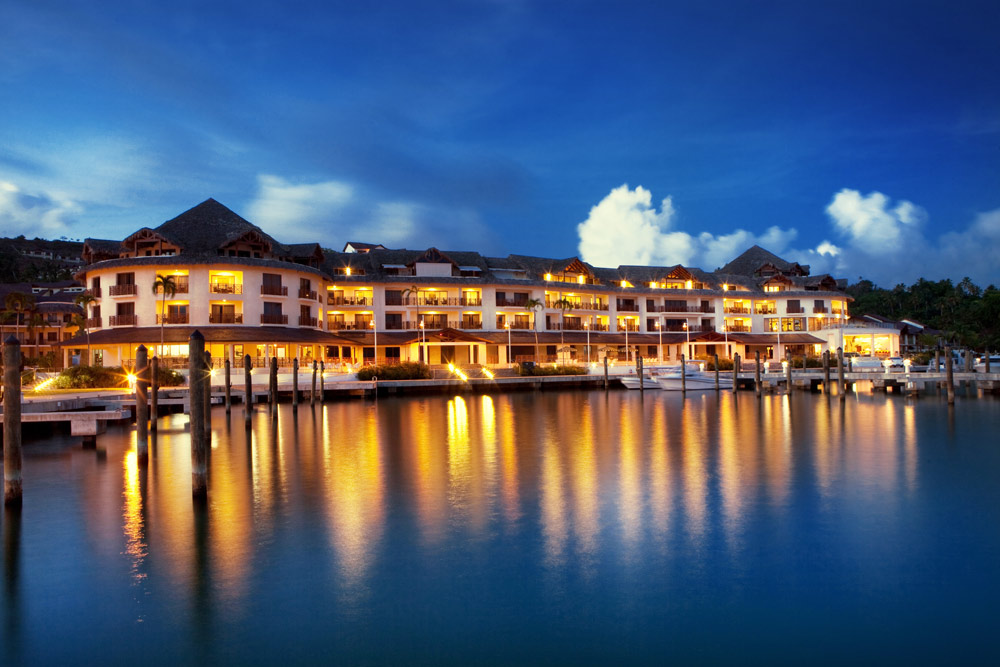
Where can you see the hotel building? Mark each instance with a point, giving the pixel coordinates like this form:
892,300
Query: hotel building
250,294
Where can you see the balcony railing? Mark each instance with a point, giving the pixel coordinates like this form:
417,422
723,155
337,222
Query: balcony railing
628,307
179,288
630,327
520,326
95,292
793,311
335,325
693,328
470,301
565,326
123,290
765,310
583,305
273,319
226,288
738,328
355,301
274,290
471,324
307,321
176,318
736,310
93,322
305,293
511,303
225,318
818,310
597,327
123,320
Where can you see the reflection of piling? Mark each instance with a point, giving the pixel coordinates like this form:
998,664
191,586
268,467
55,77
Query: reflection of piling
736,370
207,396
12,421
295,384
154,392
949,374
229,393
141,404
684,386
756,372
826,371
247,388
312,393
638,368
274,388
788,373
322,381
605,373
841,385
716,357
197,380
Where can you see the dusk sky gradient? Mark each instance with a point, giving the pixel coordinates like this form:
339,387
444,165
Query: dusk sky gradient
862,138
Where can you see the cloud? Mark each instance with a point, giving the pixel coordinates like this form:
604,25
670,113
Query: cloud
39,214
625,228
870,226
296,209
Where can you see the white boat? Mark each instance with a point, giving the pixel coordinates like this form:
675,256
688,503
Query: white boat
694,380
632,381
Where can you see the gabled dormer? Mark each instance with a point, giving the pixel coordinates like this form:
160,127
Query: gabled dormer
571,271
248,244
777,283
148,243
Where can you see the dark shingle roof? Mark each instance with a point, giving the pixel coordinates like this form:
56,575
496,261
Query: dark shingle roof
751,260
208,226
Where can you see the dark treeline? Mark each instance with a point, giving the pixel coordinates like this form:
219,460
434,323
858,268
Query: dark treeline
969,315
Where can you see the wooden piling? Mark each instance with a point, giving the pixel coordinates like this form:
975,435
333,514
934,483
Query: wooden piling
197,381
986,358
154,392
949,373
716,372
312,393
207,370
141,404
247,388
12,486
605,373
295,384
937,361
756,372
684,386
841,385
229,392
826,371
274,388
736,370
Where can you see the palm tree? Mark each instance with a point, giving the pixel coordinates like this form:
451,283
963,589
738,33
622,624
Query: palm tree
413,291
84,300
534,305
32,322
17,303
168,287
566,306
80,322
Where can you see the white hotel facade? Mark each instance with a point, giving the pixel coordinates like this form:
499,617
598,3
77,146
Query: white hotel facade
249,294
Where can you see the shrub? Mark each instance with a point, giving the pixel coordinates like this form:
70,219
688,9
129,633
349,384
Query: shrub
407,370
550,370
724,364
91,377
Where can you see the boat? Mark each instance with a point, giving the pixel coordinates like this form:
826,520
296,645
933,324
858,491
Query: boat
694,379
632,381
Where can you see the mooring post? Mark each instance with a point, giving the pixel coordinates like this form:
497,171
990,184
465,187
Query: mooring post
736,370
229,393
638,369
154,392
826,371
312,393
141,404
197,379
12,421
756,372
684,386
716,357
605,372
295,384
841,385
949,374
968,360
937,361
207,370
247,388
274,388
986,357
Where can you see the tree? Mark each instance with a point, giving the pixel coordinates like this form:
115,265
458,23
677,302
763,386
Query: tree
32,322
413,291
84,301
166,286
534,305
16,303
566,306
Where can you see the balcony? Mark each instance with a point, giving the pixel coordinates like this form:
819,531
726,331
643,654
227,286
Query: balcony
512,303
470,301
583,305
93,322
307,321
337,325
225,318
794,311
471,324
628,307
523,326
274,290
737,328
123,320
597,327
819,310
124,290
565,326
677,308
736,310
305,293
95,292
692,328
631,327
175,318
356,301
766,310
273,319
226,288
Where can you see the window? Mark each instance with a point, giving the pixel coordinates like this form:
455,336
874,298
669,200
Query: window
393,320
271,308
125,279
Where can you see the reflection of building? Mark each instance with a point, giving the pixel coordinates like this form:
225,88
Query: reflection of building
250,294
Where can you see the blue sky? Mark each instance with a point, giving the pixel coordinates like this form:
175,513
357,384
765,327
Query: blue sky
860,137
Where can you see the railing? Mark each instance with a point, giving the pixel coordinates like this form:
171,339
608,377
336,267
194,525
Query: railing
471,324
511,303
628,307
470,301
273,319
674,308
226,288
274,290
597,327
356,301
179,288
172,319
93,322
793,311
335,325
226,318
583,305
766,310
305,293
519,326
631,327
307,321
819,309
95,292
123,320
123,290
565,326
692,328
737,328
736,310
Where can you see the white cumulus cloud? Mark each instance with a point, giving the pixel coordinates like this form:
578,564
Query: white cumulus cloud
296,208
39,214
870,225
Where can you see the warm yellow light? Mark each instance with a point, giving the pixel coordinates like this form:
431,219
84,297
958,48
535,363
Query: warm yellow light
688,284
725,287
348,271
488,373
580,279
451,368
211,372
548,276
653,284
43,384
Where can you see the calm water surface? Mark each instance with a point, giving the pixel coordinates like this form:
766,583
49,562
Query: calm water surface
529,528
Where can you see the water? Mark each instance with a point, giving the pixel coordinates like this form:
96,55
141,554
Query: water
572,527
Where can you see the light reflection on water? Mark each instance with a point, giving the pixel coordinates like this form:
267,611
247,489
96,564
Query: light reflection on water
454,529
